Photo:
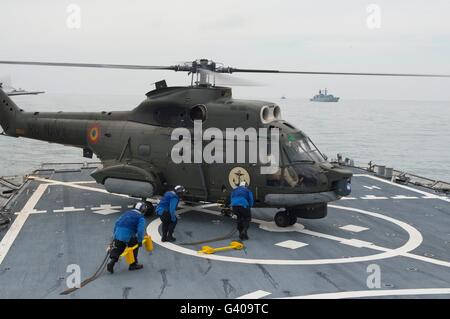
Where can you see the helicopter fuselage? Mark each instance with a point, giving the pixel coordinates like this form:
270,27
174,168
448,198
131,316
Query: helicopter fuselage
136,149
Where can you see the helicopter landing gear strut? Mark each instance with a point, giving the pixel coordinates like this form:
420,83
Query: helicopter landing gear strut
150,208
284,219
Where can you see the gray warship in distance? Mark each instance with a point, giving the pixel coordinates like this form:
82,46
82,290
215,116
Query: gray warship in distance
324,97
10,91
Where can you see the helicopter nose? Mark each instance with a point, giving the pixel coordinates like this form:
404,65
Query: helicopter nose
339,180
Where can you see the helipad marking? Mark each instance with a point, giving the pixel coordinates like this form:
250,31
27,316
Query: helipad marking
106,211
69,210
372,187
322,235
291,244
34,211
354,228
428,259
427,194
373,197
404,197
15,228
84,182
107,206
255,295
375,293
431,197
415,239
348,198
357,243
55,182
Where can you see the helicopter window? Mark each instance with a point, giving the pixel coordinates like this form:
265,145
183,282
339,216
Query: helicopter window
289,125
198,112
300,148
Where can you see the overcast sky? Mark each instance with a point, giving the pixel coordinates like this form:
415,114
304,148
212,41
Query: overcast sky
414,36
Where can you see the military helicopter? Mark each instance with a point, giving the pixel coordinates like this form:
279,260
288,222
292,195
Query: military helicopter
135,146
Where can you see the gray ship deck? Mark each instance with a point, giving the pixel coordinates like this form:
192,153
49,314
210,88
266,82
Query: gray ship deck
67,219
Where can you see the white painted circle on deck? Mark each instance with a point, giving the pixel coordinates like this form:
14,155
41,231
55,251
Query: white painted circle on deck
414,241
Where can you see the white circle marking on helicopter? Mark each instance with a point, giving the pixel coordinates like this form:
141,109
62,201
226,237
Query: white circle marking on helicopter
414,241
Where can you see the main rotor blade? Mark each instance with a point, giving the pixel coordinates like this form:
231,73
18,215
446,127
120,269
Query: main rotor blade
233,70
228,80
189,68
94,65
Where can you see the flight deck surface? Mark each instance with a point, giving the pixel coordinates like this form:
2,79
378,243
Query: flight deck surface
62,217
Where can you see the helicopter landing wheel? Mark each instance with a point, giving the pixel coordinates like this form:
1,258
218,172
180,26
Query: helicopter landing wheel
292,219
150,208
282,219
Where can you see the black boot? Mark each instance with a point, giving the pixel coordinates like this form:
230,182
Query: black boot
245,234
135,266
163,239
110,266
171,238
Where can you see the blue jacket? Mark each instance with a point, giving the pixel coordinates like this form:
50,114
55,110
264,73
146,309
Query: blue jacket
131,223
242,196
168,203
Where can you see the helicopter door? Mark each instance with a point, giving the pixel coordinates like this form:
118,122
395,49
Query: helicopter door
191,175
223,177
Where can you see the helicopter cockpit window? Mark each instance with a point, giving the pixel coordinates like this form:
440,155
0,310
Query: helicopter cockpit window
300,148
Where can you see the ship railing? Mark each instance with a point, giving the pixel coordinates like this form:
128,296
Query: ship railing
46,165
397,176
403,177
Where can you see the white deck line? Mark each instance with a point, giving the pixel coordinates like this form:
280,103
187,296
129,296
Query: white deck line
69,210
92,189
428,195
415,239
255,295
375,293
22,217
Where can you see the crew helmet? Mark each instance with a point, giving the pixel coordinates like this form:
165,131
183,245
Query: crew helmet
179,189
140,206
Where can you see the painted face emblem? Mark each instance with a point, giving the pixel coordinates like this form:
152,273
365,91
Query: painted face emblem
238,175
94,133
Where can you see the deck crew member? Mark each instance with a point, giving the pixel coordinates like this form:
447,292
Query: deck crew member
128,232
241,203
166,211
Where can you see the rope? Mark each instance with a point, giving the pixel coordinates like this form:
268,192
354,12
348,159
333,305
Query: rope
229,235
97,274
